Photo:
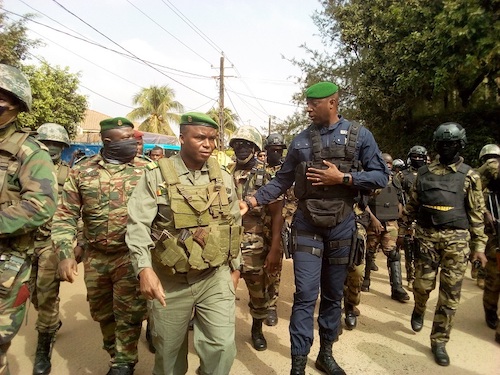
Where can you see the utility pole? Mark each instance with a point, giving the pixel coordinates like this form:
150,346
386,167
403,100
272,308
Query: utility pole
269,131
221,104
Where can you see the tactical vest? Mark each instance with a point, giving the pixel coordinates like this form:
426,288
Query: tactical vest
43,232
11,159
326,206
253,221
442,199
408,179
201,232
385,205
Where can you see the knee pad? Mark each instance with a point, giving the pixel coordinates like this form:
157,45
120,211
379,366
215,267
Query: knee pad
393,256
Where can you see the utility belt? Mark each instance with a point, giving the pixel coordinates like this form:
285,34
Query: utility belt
196,248
11,264
329,245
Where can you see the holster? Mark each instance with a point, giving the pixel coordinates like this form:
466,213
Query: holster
358,247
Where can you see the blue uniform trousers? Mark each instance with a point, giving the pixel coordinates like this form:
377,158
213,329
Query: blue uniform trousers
314,273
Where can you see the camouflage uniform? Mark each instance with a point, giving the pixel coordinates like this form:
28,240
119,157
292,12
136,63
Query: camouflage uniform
44,284
445,248
99,192
255,247
273,279
27,201
490,178
406,228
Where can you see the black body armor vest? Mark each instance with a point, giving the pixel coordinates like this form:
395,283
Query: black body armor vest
326,206
442,199
385,205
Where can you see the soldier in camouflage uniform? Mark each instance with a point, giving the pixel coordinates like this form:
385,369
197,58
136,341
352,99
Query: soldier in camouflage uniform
28,194
418,158
490,179
98,190
262,254
385,207
447,202
44,282
274,146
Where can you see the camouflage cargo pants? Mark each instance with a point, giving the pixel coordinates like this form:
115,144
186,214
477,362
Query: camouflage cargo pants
12,309
352,285
259,283
115,302
44,286
492,280
447,252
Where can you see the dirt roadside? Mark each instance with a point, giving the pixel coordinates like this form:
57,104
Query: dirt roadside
383,342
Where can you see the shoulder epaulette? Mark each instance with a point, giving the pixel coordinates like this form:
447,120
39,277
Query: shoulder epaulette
152,165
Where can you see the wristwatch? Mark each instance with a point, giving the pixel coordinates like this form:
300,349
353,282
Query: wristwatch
249,203
346,179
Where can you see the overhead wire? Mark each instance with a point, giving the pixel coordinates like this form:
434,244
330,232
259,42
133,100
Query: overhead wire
112,41
126,55
80,85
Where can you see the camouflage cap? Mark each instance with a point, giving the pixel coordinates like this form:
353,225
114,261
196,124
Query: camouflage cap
53,132
321,90
115,123
198,118
13,81
489,150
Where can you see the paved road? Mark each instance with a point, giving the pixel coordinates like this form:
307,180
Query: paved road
383,343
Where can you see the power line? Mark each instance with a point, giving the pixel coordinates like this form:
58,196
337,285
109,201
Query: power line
79,84
112,41
264,100
86,40
188,22
169,33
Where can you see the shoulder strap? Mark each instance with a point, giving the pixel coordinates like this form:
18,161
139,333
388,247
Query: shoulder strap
168,172
62,174
352,138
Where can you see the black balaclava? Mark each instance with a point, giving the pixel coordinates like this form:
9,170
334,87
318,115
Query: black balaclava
120,152
449,151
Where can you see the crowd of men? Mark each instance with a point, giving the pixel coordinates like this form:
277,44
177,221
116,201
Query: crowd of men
168,239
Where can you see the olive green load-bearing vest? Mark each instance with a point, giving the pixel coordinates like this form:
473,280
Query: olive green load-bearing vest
327,206
442,199
202,233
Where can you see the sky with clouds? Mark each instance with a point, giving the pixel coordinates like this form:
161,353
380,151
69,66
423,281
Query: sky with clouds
179,44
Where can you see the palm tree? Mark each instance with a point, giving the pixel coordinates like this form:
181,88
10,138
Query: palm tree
159,109
230,120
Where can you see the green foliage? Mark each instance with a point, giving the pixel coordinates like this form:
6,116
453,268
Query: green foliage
14,43
158,108
292,126
55,98
404,64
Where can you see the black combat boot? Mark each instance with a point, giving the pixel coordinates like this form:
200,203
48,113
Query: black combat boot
491,318
258,340
417,321
123,369
396,278
325,361
350,316
272,317
299,363
440,355
42,365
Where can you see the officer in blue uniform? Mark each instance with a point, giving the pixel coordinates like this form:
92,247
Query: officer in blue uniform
331,162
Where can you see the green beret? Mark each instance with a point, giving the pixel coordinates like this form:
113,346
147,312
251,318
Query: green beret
321,90
198,118
115,123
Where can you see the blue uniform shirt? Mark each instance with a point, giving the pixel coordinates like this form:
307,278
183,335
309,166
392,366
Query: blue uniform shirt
375,173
